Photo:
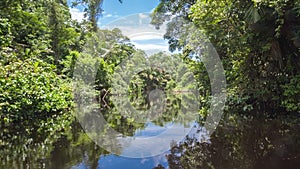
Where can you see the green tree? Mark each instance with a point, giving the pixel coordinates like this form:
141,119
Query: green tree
93,10
256,40
258,37
63,32
43,29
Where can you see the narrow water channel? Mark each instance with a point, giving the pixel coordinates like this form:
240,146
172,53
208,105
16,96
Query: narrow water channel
238,142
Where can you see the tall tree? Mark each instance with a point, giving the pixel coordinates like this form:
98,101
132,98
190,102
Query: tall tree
258,42
93,10
63,32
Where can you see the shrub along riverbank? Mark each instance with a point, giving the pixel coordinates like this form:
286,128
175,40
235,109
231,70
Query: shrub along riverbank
258,42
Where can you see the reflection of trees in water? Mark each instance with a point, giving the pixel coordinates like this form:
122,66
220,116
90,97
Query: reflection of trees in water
122,124
243,144
159,88
18,150
75,147
151,90
40,149
144,82
27,144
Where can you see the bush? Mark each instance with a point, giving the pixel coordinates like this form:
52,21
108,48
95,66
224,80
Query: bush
5,33
291,100
31,90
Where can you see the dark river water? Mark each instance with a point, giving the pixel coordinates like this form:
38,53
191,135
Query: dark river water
238,142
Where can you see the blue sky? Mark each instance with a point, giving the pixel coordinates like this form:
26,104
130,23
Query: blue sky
128,16
114,10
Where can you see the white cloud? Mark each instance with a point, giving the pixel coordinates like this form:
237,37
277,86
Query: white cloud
143,16
150,42
76,14
151,49
145,36
108,15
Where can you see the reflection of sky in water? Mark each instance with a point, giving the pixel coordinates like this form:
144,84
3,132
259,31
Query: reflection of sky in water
116,162
151,130
112,161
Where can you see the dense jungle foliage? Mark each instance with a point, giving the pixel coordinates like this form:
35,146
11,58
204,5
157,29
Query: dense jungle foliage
258,42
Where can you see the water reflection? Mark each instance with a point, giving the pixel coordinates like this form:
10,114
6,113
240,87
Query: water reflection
75,150
161,91
116,162
151,130
239,142
243,143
